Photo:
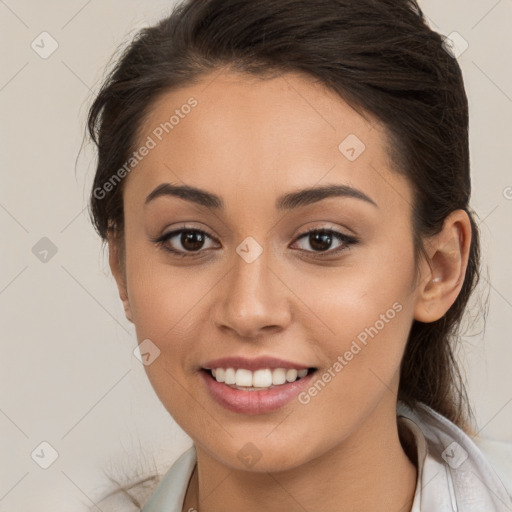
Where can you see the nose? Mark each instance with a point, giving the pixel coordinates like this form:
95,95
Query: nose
253,300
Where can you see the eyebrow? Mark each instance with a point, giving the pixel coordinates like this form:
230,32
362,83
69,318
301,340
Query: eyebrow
287,201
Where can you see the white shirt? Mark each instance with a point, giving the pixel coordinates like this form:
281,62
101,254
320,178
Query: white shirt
453,473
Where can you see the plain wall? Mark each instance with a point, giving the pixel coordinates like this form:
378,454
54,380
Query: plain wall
68,374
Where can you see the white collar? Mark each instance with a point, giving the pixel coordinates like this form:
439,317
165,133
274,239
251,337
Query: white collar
453,474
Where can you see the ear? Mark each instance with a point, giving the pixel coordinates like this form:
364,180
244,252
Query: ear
117,266
442,276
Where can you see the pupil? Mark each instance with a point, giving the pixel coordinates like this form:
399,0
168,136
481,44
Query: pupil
192,240
320,241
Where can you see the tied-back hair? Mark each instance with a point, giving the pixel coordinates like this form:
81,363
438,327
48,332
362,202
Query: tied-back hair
381,57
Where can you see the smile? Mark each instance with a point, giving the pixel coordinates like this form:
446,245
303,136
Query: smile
265,378
252,400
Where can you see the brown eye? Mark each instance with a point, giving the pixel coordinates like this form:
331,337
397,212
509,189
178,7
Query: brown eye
321,240
183,241
192,240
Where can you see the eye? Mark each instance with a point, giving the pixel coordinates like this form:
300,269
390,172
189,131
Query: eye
320,241
188,240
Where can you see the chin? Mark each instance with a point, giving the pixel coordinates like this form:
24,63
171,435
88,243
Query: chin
260,455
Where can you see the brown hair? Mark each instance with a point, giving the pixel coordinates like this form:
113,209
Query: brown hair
382,58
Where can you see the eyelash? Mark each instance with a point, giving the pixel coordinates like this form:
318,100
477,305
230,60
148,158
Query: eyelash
347,242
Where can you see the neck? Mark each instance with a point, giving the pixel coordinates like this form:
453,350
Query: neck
367,471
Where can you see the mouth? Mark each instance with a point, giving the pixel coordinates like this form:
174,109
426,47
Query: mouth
257,380
252,393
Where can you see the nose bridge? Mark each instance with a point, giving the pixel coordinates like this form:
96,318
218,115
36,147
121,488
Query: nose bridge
250,267
253,297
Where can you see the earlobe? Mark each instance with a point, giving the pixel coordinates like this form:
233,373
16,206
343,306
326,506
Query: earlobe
117,267
443,274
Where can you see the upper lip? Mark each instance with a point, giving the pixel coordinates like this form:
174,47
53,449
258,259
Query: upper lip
257,363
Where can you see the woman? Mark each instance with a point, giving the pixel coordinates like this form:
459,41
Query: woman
284,189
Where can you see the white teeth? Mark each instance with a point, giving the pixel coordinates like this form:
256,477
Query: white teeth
278,376
291,375
229,376
263,378
243,378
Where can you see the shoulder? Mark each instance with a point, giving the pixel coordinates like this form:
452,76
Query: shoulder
499,454
478,470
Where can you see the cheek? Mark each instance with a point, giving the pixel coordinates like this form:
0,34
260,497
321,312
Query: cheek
359,330
345,300
361,313
167,302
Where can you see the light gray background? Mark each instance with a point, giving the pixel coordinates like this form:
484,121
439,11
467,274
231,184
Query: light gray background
68,374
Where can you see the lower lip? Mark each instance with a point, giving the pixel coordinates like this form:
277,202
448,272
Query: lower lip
254,402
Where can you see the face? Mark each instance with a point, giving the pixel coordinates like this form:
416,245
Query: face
244,278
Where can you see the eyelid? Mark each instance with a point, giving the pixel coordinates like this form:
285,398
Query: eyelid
184,227
328,229
346,241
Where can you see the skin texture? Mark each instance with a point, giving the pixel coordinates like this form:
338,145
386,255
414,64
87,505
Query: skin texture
249,141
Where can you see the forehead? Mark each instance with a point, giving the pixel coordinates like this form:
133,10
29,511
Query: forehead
263,136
